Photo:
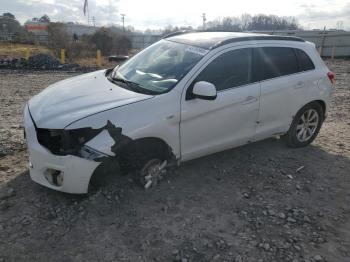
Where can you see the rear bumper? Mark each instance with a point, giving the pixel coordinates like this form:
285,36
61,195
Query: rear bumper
75,171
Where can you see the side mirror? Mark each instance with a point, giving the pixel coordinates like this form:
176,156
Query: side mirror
204,90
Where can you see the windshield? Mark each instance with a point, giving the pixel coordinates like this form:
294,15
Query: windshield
159,67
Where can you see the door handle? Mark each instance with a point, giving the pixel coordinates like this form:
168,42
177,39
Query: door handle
300,84
249,99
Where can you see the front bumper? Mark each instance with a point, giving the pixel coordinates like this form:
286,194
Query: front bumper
75,171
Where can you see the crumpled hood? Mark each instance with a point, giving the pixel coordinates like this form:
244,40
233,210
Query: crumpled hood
72,99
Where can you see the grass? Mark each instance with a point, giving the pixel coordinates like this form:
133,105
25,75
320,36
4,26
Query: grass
10,50
92,62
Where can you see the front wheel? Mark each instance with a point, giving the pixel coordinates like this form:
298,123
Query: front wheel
305,126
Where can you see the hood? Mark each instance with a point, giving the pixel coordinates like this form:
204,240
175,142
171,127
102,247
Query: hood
72,99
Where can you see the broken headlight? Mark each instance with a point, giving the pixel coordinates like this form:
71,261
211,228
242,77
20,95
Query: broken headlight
64,142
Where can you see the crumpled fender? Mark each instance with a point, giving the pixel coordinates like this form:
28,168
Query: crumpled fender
110,140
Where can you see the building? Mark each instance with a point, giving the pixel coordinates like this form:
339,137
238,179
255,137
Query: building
39,29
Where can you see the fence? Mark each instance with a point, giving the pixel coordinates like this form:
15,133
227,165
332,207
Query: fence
329,43
140,41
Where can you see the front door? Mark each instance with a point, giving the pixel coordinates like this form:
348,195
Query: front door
209,126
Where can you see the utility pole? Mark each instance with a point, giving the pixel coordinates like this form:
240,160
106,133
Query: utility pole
93,21
340,25
123,19
204,20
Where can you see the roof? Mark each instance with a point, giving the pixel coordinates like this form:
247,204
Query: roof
211,40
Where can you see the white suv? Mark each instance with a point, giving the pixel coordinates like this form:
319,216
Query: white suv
184,97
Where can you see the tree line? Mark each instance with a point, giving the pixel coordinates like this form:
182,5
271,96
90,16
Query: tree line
107,40
112,40
247,22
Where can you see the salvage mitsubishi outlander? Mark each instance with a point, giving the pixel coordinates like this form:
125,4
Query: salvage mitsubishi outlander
186,96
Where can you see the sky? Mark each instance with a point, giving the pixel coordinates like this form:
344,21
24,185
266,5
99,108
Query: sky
154,14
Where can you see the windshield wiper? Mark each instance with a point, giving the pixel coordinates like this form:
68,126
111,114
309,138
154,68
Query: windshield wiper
127,82
133,85
123,80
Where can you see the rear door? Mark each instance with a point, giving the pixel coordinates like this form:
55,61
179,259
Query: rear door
283,89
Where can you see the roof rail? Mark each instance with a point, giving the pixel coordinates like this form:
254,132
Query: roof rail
262,37
181,32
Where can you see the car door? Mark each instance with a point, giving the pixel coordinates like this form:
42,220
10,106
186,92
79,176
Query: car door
282,89
209,126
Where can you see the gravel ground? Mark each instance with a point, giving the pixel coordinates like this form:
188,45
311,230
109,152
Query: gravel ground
260,202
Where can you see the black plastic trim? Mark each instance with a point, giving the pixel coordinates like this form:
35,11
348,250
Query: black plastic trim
255,38
205,97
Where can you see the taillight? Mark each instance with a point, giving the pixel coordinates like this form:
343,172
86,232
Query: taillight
331,77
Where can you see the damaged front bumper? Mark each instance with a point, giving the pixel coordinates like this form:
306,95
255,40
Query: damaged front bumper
66,173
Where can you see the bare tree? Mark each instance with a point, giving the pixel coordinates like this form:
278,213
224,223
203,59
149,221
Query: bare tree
57,37
110,42
8,15
45,19
249,23
246,19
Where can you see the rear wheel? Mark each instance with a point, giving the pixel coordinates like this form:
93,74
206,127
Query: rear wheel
305,126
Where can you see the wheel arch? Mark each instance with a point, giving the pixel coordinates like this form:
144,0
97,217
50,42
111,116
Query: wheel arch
151,142
129,153
320,102
323,105
289,136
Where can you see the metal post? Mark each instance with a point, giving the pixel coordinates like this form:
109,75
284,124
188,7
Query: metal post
333,52
63,56
26,54
323,40
204,20
98,58
123,19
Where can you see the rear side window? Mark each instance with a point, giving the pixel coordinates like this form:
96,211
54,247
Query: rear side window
277,61
231,69
305,63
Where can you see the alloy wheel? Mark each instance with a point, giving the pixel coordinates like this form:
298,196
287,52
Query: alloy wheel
307,125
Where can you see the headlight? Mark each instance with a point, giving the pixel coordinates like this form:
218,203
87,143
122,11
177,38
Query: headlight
64,142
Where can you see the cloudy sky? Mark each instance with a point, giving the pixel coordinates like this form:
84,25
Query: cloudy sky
154,14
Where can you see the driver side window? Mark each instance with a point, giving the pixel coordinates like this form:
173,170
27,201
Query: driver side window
231,69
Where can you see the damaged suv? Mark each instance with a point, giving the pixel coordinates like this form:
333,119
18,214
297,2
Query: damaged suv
186,96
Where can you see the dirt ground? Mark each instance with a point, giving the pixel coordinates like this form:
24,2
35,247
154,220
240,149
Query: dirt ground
245,204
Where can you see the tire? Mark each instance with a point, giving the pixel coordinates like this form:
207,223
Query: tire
305,126
149,157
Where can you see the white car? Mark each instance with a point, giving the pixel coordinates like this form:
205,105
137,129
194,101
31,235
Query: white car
186,96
